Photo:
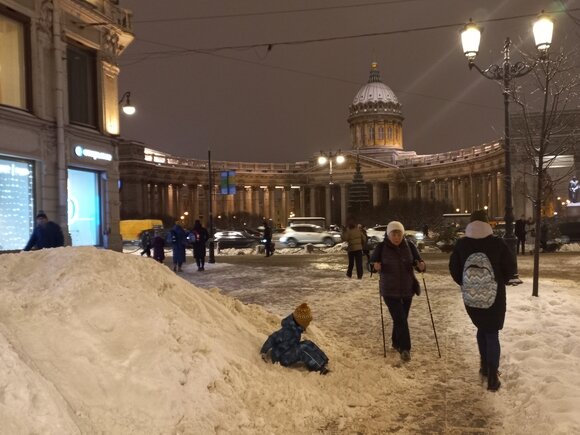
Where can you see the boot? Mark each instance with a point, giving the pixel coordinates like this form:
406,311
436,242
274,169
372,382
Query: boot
483,368
493,382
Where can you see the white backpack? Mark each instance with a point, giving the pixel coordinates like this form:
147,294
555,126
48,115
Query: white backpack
479,288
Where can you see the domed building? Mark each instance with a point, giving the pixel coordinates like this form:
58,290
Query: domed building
156,184
375,117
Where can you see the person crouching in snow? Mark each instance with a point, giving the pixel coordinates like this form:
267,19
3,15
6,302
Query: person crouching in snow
287,349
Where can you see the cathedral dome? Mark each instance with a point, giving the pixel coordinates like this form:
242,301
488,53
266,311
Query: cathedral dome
375,91
375,116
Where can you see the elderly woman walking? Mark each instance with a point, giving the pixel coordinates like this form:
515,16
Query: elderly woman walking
394,259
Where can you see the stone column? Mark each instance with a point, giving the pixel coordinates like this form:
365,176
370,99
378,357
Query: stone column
272,208
392,190
376,195
302,204
313,209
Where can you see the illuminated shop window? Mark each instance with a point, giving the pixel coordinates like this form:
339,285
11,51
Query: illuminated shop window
84,208
13,43
16,203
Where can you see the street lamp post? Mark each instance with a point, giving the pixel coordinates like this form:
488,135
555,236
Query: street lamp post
323,159
505,73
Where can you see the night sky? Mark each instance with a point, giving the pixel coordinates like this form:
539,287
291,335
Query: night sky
286,103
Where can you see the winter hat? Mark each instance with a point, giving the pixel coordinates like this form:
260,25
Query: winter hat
395,225
303,315
479,215
41,214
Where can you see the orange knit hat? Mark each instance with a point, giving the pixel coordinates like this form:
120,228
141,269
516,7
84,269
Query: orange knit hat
303,315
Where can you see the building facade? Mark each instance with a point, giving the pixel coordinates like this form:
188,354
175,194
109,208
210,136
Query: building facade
157,184
59,118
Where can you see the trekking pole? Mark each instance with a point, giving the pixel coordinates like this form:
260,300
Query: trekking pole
383,325
431,314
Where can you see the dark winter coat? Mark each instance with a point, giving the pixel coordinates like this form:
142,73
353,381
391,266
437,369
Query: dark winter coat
199,237
520,229
158,251
267,234
287,349
479,238
178,243
396,278
46,235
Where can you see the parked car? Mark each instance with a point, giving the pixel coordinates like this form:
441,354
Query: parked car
306,233
377,234
236,239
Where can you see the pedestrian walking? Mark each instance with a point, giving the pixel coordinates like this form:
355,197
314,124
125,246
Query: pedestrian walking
355,240
178,244
394,259
520,232
158,244
146,243
267,237
199,238
482,265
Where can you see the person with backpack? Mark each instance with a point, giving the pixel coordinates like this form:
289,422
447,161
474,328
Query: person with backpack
284,346
199,236
394,259
482,265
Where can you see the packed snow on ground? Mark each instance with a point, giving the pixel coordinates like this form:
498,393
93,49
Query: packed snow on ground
94,341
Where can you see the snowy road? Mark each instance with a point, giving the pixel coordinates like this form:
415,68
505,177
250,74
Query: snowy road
427,395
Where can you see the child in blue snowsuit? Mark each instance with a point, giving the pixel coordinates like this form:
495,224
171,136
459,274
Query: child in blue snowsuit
286,347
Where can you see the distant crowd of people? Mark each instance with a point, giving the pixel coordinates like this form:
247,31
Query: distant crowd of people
178,239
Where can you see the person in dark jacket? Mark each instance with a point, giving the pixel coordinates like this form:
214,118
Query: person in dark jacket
267,239
285,347
394,259
146,243
488,321
199,236
178,243
158,247
46,234
520,233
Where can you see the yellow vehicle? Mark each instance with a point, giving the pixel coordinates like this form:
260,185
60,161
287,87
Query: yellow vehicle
132,229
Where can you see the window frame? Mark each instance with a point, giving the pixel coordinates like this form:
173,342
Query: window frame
26,26
96,102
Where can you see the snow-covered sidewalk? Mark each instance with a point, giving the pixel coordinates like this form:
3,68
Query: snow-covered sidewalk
94,341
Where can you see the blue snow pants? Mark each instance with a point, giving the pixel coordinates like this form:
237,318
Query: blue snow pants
308,353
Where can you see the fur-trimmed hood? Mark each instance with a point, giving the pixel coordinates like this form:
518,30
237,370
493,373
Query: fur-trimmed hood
478,230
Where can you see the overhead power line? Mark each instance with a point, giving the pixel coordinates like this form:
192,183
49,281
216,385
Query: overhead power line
266,13
270,45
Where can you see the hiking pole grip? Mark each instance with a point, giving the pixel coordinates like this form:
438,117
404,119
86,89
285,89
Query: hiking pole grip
431,314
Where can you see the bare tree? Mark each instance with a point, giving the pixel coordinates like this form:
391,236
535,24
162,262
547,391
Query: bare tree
547,134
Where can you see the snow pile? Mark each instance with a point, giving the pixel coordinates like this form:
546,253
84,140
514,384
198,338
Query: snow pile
93,341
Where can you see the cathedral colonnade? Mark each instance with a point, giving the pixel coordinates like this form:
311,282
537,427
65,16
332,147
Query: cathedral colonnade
157,184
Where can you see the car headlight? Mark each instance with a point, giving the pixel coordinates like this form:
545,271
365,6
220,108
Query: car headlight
283,239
